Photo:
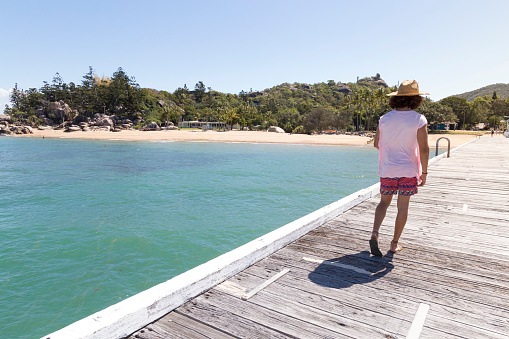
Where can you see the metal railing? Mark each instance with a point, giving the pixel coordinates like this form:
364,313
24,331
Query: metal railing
448,146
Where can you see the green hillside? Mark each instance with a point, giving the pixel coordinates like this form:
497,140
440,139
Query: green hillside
501,89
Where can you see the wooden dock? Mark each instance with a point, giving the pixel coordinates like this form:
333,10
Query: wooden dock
455,260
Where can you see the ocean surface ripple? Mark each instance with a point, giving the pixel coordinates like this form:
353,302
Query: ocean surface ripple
85,224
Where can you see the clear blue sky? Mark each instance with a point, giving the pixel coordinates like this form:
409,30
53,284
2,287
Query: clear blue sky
449,47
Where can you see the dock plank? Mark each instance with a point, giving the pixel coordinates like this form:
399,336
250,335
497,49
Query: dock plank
455,259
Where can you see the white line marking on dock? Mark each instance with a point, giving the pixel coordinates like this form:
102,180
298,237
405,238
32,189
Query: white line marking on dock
465,207
265,284
418,323
333,263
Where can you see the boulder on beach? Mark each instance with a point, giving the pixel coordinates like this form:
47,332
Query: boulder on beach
13,129
276,129
105,122
73,128
78,119
153,126
4,128
102,128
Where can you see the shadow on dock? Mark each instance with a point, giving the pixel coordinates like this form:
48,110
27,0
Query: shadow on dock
348,270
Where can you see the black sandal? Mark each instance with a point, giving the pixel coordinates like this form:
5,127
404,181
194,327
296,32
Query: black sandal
373,244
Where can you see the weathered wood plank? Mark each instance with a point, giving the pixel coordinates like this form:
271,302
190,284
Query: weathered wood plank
455,258
352,289
278,317
439,243
417,241
494,287
331,320
349,279
307,295
391,307
238,325
398,277
476,272
450,262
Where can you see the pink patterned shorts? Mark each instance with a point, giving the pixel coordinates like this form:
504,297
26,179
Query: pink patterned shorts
402,186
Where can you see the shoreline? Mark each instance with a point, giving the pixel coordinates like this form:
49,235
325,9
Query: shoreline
237,137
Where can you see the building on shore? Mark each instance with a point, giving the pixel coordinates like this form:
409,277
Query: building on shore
205,125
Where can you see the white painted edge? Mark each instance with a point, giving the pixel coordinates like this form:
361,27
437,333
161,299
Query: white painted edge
131,314
414,332
265,284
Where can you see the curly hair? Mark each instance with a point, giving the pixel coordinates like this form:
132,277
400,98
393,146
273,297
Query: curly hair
412,102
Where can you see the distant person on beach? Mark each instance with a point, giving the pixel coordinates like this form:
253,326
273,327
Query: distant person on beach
402,141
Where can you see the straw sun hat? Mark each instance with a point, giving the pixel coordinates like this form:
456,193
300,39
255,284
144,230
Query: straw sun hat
408,88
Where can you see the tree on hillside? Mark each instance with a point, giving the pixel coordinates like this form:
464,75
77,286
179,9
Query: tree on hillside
199,91
16,97
460,107
86,96
436,113
24,105
481,109
500,107
124,93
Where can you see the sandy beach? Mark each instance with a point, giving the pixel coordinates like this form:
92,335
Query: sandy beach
236,136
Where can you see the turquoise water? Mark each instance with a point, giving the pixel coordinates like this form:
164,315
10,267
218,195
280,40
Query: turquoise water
85,224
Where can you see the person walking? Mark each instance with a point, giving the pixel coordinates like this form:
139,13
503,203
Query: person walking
402,141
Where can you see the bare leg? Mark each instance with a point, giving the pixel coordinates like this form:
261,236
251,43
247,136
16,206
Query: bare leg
401,217
380,211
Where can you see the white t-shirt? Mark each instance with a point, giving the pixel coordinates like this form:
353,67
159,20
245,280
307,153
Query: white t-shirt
398,147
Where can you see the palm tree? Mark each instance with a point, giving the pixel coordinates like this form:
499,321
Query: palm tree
231,116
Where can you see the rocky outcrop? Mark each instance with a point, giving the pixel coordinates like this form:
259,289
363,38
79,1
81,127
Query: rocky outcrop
14,129
80,119
59,109
5,118
254,94
343,88
57,115
4,127
374,80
